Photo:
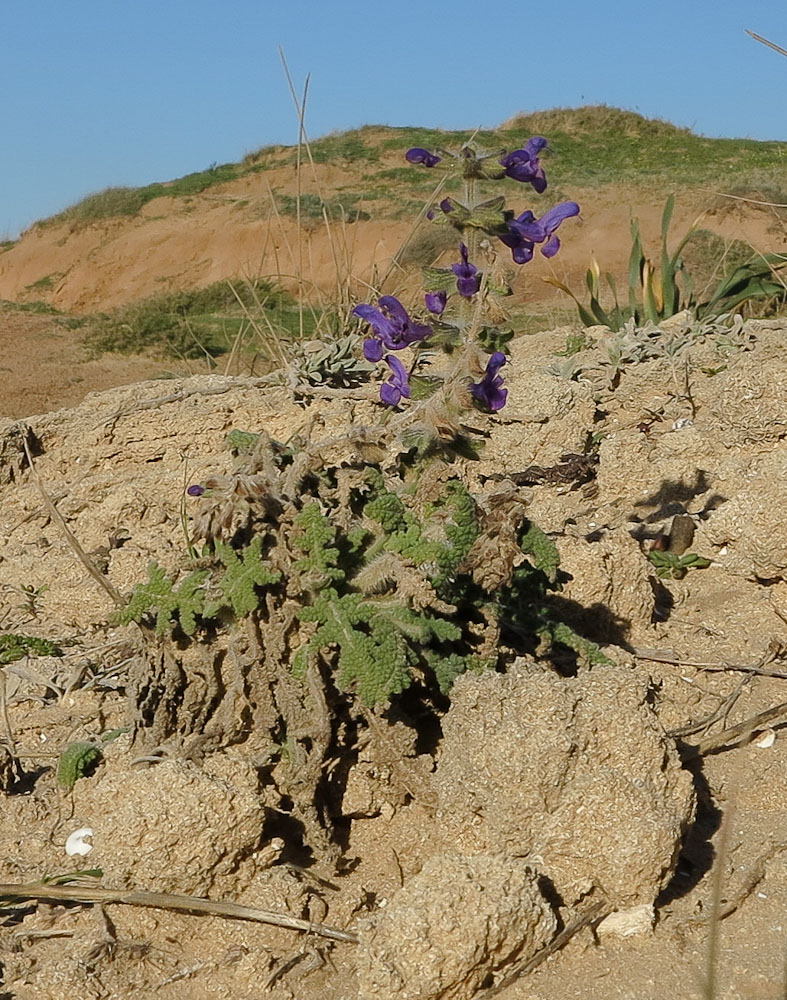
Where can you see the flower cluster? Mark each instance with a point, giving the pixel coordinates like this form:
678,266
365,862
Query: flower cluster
393,330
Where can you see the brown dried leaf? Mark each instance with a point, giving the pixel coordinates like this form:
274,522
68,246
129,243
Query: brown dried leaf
496,552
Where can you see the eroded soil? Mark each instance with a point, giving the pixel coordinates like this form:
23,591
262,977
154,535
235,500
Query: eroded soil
704,439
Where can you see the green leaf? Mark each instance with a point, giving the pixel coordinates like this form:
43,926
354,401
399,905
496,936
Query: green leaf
241,442
14,647
78,760
244,573
159,596
544,551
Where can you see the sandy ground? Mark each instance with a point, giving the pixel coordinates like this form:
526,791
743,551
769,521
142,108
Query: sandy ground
693,645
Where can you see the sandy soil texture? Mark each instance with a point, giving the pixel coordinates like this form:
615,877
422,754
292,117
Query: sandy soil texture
543,796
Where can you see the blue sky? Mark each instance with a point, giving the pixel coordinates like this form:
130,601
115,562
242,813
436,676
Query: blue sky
124,92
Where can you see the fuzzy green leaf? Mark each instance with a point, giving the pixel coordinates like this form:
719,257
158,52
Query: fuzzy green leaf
77,761
245,571
315,537
158,596
542,549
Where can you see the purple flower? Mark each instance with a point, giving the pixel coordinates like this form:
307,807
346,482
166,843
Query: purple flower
446,206
393,328
524,164
196,490
397,384
418,155
526,230
489,391
468,280
435,302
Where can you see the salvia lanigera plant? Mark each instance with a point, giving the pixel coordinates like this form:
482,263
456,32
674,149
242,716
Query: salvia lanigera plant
364,559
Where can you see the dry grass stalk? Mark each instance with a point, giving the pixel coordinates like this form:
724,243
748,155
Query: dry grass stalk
71,538
168,901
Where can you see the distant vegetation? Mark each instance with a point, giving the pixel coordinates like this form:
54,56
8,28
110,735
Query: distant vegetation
595,145
114,202
197,323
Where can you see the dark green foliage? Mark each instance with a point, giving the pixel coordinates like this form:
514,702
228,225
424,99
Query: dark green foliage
373,655
243,573
493,339
379,640
315,536
559,632
14,647
189,601
78,760
542,549
387,579
241,442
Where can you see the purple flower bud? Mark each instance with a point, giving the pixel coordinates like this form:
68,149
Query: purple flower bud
446,206
435,302
419,155
468,280
196,490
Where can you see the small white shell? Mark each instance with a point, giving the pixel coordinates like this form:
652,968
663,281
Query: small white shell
766,739
75,844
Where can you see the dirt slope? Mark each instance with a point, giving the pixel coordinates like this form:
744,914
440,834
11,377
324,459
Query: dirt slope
233,231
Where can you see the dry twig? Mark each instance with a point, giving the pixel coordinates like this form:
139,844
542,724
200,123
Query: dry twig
522,968
168,901
73,541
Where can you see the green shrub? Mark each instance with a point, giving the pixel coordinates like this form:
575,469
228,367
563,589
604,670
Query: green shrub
192,323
